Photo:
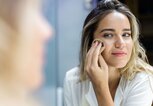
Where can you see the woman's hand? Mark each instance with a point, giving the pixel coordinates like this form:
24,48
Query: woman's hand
97,71
95,65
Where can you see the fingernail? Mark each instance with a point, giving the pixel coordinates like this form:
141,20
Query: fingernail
94,43
102,44
99,41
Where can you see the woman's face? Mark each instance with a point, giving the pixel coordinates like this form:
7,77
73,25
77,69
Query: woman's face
39,32
115,32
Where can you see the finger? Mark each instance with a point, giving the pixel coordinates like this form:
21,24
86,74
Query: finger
89,55
101,61
102,48
98,39
96,54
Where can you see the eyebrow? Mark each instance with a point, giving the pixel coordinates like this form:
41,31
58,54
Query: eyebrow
110,29
126,29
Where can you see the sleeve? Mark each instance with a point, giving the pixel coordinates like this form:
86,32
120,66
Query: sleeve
140,94
67,93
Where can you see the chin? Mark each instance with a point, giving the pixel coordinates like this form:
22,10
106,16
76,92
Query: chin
36,82
36,85
121,65
118,65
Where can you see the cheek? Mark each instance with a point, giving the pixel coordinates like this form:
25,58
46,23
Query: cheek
35,79
32,82
34,74
106,51
108,43
129,46
108,46
34,62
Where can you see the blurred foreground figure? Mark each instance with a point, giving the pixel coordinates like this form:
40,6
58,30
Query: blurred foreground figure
23,34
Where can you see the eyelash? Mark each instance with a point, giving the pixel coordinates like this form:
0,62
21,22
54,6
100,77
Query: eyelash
109,35
128,34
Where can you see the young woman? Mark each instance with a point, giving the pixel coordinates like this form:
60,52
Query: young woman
113,68
23,34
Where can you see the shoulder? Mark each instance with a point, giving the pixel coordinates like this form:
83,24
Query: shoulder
141,81
142,76
140,88
73,74
72,84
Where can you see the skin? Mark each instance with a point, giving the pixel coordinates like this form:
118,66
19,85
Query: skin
40,33
43,32
102,62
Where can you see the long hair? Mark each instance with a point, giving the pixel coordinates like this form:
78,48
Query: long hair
138,60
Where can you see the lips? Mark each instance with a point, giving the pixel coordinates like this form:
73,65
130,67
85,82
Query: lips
121,53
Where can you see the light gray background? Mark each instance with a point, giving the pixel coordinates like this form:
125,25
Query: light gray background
66,18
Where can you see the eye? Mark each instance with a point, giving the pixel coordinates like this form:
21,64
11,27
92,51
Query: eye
126,35
107,35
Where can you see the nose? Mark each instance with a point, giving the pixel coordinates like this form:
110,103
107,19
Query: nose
120,43
48,30
45,28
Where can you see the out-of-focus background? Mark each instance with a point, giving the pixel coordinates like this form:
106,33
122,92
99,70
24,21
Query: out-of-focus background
67,17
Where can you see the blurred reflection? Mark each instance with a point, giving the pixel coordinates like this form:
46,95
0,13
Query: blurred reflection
23,34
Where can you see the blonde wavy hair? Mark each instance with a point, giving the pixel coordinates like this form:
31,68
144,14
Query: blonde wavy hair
138,61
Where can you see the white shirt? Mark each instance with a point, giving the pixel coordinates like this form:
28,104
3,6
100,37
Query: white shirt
135,92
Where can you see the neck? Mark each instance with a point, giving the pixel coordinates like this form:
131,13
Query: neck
114,77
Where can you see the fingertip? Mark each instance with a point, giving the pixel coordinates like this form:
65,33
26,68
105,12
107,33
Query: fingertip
99,41
94,43
102,47
102,44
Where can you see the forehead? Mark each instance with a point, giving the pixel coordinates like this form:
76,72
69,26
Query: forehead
114,20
